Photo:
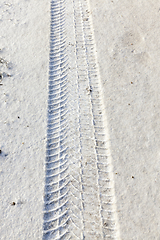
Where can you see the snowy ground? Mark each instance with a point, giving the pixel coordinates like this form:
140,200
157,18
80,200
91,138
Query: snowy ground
101,83
128,53
24,54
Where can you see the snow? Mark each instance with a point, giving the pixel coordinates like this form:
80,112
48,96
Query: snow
127,39
24,45
127,43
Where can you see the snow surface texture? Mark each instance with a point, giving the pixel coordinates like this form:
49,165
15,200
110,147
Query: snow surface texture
97,177
127,40
24,60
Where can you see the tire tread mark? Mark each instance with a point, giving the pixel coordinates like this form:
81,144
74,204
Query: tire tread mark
90,210
105,175
56,215
93,124
79,196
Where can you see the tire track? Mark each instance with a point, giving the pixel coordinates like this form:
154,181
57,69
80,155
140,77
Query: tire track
89,174
79,200
102,148
99,221
57,179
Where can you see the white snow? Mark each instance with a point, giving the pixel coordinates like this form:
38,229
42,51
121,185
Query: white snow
127,38
127,41
24,44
